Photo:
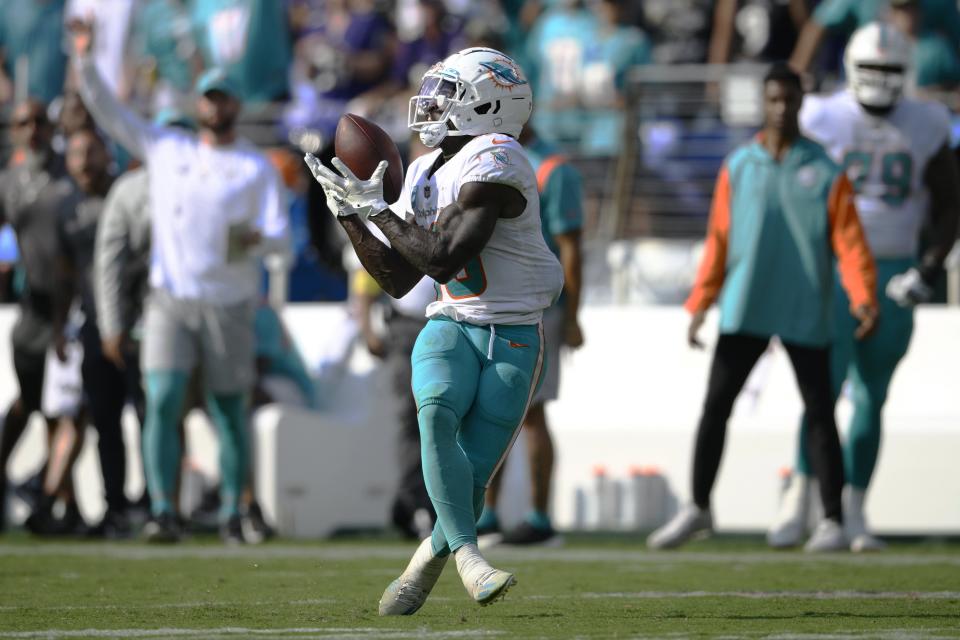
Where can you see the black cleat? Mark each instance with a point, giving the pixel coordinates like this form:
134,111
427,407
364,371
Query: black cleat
254,528
527,534
231,531
114,526
162,529
31,490
490,530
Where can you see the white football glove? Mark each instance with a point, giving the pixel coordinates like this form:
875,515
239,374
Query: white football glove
348,195
908,288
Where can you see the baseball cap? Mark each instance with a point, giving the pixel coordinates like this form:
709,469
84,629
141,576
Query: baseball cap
216,79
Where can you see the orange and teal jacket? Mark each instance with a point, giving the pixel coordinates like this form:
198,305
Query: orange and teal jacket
774,230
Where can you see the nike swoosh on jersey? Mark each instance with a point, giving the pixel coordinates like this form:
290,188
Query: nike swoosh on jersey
501,140
518,345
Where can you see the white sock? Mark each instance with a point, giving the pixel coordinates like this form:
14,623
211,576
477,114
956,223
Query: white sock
471,566
424,564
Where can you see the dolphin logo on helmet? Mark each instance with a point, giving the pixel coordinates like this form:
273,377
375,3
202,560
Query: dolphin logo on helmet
502,74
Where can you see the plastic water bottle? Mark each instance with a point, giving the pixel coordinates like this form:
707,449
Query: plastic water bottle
649,497
609,498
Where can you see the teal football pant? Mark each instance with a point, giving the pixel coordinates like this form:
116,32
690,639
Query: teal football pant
165,393
473,385
868,365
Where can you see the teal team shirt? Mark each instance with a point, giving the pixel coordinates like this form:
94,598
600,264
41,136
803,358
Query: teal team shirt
937,61
779,268
250,39
34,29
576,70
561,196
847,16
162,31
556,48
608,59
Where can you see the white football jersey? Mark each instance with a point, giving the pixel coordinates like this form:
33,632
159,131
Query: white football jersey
516,276
885,158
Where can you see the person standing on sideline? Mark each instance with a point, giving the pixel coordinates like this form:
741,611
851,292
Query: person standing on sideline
782,209
896,152
35,195
88,163
472,223
215,206
561,214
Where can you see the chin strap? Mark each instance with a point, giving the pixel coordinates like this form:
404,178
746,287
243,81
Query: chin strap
431,135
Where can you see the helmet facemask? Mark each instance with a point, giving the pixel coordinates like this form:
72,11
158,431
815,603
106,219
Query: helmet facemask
878,86
429,111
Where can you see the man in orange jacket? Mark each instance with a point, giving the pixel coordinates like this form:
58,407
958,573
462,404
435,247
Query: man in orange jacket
782,210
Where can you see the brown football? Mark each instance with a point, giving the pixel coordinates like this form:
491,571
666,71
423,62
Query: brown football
361,145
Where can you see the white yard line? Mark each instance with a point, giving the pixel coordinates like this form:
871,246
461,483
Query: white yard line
765,595
588,595
362,633
199,604
242,632
884,634
390,552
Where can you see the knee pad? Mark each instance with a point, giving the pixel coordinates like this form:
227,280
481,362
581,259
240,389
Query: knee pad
443,394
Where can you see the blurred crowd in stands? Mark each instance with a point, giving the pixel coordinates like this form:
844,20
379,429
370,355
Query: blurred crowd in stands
298,65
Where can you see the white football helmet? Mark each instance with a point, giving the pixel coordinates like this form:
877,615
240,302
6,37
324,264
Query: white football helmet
477,91
877,60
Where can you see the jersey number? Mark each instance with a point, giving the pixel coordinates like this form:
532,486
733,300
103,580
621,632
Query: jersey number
470,282
896,173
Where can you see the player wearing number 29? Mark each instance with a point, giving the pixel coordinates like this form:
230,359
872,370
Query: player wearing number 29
468,217
896,153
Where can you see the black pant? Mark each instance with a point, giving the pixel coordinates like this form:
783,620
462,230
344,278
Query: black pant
107,389
402,332
733,360
29,367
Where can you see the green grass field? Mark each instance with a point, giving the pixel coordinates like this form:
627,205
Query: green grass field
591,588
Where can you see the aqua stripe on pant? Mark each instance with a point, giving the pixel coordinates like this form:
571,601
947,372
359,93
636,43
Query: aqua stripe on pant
470,408
868,365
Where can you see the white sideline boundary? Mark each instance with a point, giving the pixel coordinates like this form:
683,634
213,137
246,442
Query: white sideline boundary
360,633
387,552
588,595
363,633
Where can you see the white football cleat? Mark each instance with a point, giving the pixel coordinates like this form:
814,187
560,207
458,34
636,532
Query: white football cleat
406,594
790,525
689,523
855,522
484,583
828,536
865,543
491,585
